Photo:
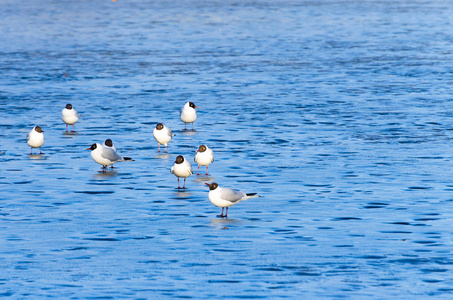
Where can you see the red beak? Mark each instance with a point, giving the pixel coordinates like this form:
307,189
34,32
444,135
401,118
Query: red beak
207,184
196,107
88,148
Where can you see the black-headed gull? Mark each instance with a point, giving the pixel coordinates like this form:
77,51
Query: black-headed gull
163,136
105,156
204,157
35,139
188,114
109,144
226,197
182,168
70,116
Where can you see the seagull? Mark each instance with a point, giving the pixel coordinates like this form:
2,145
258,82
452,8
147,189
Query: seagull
35,139
163,136
188,114
70,116
226,197
109,143
204,157
181,168
105,156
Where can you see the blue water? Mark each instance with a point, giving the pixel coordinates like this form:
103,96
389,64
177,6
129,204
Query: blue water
338,114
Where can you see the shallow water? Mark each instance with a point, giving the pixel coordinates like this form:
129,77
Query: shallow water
337,113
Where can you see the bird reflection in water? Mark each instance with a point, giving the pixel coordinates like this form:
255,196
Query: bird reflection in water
102,174
204,179
224,223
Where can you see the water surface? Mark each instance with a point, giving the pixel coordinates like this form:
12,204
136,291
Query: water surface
337,113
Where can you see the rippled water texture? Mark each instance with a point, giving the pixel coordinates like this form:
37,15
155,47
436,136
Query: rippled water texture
338,114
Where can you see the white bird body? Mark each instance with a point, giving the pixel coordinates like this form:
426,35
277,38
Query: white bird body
182,168
105,156
35,138
162,135
69,116
204,158
189,113
226,197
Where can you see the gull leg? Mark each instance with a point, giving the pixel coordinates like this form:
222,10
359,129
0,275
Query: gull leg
198,172
207,170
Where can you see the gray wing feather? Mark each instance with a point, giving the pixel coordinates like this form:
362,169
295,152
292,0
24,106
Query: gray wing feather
111,155
231,195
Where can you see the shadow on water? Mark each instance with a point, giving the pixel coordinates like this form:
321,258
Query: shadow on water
182,193
163,156
188,132
70,133
224,222
36,156
204,178
107,174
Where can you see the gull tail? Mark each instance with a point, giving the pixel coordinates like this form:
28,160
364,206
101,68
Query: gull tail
252,195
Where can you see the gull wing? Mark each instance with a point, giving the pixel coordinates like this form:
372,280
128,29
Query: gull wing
231,195
110,154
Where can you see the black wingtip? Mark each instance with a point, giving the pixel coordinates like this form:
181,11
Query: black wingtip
128,158
251,194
